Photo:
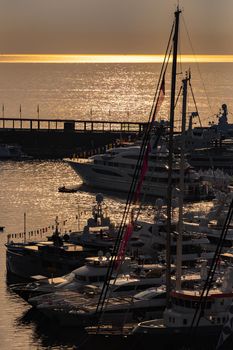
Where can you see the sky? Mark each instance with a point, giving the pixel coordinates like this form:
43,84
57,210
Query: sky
113,26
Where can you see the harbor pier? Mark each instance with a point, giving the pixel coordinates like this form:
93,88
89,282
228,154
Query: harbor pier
58,138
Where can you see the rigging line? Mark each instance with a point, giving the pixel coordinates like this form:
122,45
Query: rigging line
213,266
177,99
160,132
154,110
163,70
208,152
219,247
155,100
194,101
115,252
116,246
179,56
217,255
131,191
121,228
197,64
178,96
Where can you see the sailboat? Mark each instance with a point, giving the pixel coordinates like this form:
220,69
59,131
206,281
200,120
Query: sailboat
192,318
196,317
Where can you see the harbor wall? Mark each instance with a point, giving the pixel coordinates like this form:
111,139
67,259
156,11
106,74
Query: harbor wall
55,144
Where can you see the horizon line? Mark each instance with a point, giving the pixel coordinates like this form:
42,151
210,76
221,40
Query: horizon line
109,58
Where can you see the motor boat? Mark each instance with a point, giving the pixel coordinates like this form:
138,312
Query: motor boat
80,311
114,170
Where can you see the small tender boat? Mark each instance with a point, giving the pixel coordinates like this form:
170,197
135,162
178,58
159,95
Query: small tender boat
68,189
13,152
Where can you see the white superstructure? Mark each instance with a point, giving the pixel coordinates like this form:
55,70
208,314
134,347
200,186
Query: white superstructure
115,170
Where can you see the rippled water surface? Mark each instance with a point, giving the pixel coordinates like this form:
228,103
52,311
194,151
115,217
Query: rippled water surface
32,188
71,91
107,91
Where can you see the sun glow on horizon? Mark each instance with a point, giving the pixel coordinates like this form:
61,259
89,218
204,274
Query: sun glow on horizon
108,58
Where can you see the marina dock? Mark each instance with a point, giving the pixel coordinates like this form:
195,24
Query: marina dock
58,138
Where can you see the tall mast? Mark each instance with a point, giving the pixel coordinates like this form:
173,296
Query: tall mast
181,193
170,156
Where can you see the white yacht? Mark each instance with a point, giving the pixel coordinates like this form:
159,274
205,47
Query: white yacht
92,272
152,238
115,170
81,311
212,223
178,326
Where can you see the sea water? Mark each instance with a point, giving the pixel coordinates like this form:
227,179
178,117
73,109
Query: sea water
29,197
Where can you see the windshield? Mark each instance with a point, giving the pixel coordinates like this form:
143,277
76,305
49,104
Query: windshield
69,277
148,294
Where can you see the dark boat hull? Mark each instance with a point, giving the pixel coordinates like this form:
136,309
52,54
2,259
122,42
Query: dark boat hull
203,338
24,265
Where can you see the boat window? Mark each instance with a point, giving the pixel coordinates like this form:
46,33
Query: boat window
187,303
185,321
102,278
80,278
160,296
137,227
93,279
106,172
125,288
149,294
130,156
